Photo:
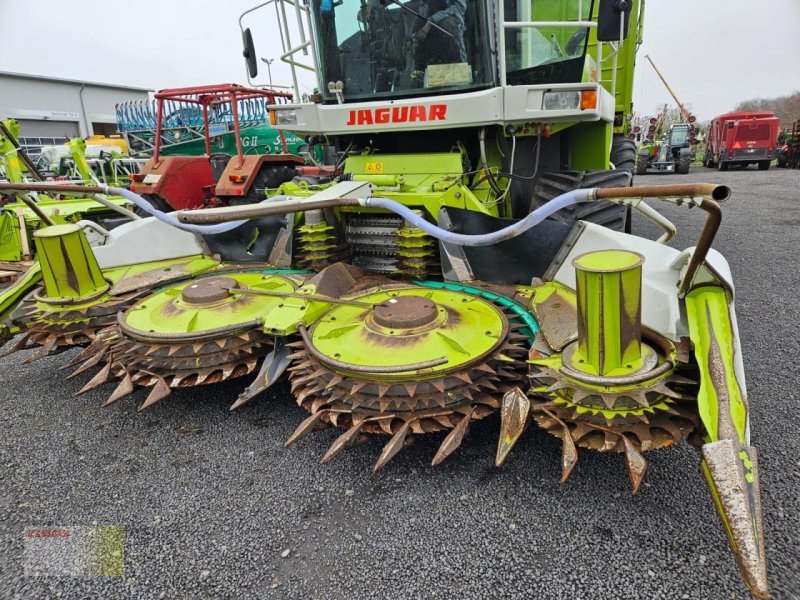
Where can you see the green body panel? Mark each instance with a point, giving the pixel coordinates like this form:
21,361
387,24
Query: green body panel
721,401
69,268
11,296
426,182
9,161
589,145
626,61
77,150
259,139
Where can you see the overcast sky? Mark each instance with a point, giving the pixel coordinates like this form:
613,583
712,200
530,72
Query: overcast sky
714,53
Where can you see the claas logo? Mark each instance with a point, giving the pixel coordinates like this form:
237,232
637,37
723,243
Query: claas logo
398,114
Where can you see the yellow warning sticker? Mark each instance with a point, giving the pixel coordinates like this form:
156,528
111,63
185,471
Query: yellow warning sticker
375,167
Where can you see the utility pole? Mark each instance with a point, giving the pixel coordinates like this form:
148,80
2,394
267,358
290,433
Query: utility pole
684,112
268,62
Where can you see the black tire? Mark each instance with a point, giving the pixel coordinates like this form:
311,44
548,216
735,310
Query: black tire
783,160
550,185
157,202
684,163
269,177
642,163
623,154
722,166
763,165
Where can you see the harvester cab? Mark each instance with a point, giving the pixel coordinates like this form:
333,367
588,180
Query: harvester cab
465,260
176,182
525,100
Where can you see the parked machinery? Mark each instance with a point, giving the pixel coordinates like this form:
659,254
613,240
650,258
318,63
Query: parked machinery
22,213
740,139
175,181
674,155
459,265
789,151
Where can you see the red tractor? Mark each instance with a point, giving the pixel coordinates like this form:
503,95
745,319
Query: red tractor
213,179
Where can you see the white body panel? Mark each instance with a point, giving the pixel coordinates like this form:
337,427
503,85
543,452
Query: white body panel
145,240
662,310
507,105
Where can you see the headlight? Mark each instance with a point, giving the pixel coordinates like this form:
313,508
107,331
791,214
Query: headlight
585,100
283,117
561,100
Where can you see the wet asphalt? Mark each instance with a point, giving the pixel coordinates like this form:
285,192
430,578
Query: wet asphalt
213,506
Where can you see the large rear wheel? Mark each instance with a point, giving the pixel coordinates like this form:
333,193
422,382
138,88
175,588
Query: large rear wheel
268,178
551,185
623,154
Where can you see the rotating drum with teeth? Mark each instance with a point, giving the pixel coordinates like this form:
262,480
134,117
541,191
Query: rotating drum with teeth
73,302
406,359
609,390
198,332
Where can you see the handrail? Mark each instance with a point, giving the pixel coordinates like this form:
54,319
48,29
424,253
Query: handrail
550,24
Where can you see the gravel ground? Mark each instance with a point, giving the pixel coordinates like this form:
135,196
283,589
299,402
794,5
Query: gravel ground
214,506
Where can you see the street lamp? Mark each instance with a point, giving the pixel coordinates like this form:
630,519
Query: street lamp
268,62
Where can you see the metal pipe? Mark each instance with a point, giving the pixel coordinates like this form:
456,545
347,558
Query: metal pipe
300,296
705,195
652,215
159,116
30,203
719,193
252,211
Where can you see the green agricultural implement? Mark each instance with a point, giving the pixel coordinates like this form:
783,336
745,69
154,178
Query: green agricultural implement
466,260
22,213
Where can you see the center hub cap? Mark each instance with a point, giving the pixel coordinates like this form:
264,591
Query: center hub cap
405,312
209,291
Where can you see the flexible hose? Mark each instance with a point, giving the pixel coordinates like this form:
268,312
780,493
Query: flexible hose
170,219
484,239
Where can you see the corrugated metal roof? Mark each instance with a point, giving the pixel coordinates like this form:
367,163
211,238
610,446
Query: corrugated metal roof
74,81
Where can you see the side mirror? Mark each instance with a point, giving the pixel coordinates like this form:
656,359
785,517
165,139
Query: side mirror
249,53
608,19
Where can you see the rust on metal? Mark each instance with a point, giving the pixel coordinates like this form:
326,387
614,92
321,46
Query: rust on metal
514,419
732,471
557,317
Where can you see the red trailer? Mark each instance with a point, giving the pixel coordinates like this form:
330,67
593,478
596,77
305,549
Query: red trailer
741,139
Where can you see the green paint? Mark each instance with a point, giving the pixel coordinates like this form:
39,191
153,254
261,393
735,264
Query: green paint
532,327
69,268
167,312
609,293
711,331
11,296
466,327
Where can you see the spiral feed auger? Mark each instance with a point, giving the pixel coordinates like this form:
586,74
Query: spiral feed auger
624,349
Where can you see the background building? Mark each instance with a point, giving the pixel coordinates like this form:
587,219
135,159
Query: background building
51,110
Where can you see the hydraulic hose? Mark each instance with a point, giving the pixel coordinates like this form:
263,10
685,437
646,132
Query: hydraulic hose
484,239
170,219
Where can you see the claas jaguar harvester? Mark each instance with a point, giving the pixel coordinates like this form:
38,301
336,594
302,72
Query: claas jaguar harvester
468,258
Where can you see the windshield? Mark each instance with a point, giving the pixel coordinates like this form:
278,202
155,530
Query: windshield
536,55
392,49
679,135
